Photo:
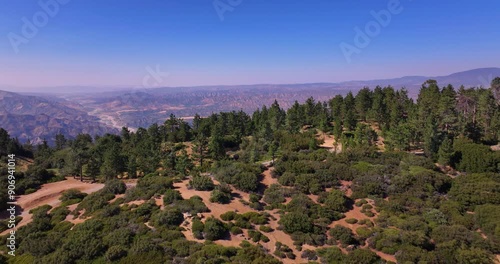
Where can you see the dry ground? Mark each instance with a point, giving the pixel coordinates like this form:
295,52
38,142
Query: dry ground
49,194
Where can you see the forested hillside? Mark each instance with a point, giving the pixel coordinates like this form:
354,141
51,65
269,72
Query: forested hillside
371,177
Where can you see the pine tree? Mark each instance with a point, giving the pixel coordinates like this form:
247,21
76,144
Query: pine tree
363,103
276,116
132,167
349,120
60,141
445,152
183,163
430,136
200,145
294,118
447,110
378,106
93,168
215,145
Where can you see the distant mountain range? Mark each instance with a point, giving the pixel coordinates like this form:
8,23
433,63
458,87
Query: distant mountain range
35,118
42,115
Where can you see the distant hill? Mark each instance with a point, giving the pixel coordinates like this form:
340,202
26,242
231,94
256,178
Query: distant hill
35,118
44,115
471,78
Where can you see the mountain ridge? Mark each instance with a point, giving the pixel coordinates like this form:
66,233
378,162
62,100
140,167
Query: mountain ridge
42,116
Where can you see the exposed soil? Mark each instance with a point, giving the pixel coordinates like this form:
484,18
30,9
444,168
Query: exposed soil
268,180
355,213
236,205
329,143
346,188
380,140
49,194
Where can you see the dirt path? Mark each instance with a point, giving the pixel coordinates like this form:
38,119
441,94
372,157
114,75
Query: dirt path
49,194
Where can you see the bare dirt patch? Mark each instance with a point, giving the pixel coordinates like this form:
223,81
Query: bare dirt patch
268,179
236,205
346,188
329,142
355,213
49,194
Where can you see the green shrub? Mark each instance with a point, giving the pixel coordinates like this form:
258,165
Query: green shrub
214,229
115,186
198,228
72,194
202,183
265,229
115,253
236,230
351,221
343,234
171,196
369,213
367,207
228,216
170,217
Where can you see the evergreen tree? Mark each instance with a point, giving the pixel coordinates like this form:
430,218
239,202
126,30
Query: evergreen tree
216,143
132,167
431,138
378,106
447,109
348,114
93,168
60,141
294,118
277,116
445,152
200,146
363,103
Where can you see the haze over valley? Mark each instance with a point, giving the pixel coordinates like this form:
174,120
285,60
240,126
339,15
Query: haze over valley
42,116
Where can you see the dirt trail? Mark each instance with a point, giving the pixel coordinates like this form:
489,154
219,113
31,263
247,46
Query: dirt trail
49,194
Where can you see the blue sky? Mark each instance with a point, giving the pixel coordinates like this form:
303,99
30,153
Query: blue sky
115,42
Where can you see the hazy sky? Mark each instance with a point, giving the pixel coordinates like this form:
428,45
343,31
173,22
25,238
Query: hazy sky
118,42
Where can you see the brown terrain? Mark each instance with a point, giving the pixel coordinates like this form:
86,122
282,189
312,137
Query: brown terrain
329,143
49,194
276,235
237,206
